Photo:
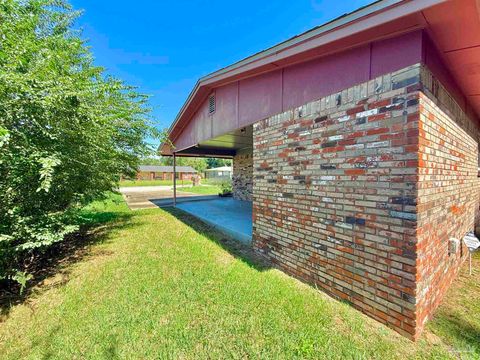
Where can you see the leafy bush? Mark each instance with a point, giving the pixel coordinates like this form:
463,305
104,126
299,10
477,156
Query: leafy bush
226,187
212,181
67,131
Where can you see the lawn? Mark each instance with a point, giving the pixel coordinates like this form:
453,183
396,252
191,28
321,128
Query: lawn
150,286
202,189
186,186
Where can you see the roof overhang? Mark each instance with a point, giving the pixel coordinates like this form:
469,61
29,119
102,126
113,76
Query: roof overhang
223,146
199,151
453,25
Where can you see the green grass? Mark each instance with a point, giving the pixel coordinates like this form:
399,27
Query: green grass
205,188
457,320
202,189
154,287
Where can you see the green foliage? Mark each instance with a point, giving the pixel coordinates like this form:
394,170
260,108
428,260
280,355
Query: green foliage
216,162
21,277
199,164
306,348
226,187
152,160
67,131
201,189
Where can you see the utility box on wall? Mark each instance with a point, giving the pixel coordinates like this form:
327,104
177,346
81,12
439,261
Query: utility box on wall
453,246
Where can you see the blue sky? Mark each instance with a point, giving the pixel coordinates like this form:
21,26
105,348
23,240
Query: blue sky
163,47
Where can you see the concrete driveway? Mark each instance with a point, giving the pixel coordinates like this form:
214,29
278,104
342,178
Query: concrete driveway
145,197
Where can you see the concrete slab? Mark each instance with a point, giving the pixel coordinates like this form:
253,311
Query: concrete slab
232,217
145,197
183,197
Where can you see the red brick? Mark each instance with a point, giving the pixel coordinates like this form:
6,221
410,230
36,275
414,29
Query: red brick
399,248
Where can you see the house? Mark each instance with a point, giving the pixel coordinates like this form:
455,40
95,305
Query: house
156,172
219,173
357,143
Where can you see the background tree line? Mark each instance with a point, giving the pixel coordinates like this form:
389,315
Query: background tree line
199,164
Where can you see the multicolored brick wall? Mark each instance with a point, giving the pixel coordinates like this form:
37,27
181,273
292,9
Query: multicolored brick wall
242,175
448,191
335,195
338,203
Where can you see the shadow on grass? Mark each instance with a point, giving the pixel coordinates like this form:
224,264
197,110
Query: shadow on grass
457,320
237,249
464,334
457,329
55,261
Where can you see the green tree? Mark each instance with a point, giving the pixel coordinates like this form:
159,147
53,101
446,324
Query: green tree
217,162
152,160
67,131
199,164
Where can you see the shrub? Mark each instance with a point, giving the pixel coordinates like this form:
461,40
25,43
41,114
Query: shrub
67,131
226,187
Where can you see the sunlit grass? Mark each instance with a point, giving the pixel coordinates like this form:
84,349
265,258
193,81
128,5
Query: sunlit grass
180,183
202,189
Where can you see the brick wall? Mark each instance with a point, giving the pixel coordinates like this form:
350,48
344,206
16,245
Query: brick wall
186,176
242,175
448,191
360,192
335,195
145,175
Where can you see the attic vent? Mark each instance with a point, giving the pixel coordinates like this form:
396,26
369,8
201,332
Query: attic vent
211,104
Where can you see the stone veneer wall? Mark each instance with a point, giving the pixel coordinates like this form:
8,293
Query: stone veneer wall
448,191
242,176
360,191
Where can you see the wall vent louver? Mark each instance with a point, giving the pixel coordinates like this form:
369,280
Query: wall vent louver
211,104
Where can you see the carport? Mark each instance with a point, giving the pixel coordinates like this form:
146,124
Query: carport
233,145
232,216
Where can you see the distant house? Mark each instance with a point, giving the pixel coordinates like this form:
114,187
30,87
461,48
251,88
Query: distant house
223,172
156,172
